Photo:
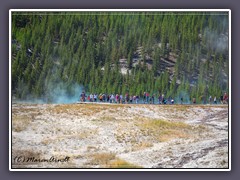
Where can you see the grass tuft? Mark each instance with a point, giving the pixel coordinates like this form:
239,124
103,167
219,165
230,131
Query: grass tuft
20,122
101,159
162,130
119,163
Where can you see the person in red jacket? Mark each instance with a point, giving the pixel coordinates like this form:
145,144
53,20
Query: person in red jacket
225,98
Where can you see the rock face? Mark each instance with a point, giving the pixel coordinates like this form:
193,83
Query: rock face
106,135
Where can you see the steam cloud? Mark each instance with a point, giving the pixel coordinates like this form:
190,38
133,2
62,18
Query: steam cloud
63,93
219,42
55,93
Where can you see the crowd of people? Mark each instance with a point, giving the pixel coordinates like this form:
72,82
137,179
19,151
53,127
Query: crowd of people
119,98
146,98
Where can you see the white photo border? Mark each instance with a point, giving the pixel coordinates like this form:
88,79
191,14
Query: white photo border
116,10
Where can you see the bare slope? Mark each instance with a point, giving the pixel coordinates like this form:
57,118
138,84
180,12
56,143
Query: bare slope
120,136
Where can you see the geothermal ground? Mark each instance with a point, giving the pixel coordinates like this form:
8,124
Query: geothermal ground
119,136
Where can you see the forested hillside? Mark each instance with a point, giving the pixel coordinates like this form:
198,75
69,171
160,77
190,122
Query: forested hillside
171,53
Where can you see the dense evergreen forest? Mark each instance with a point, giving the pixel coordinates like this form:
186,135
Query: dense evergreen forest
171,53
